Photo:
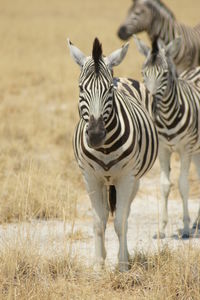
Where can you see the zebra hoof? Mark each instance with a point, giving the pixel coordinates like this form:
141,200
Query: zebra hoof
196,226
160,235
185,236
124,267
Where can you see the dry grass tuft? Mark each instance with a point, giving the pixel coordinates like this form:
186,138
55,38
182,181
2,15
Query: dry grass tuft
167,275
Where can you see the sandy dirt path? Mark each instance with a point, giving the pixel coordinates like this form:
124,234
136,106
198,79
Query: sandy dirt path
53,238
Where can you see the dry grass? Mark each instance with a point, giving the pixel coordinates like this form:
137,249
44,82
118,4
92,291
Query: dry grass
166,275
39,177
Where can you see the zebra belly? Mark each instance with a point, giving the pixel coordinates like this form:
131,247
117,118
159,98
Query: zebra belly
177,145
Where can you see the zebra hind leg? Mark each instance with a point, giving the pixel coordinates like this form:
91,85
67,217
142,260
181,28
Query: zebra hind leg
196,160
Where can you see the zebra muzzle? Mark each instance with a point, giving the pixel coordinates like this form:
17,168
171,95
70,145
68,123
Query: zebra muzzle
95,132
123,33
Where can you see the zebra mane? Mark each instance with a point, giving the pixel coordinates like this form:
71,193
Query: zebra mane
154,50
161,6
96,54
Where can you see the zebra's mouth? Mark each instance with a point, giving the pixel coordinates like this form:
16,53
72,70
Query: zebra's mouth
123,33
96,140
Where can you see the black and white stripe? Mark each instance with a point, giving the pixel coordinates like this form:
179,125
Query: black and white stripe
116,160
154,17
177,116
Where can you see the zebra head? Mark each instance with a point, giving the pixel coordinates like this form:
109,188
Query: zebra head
96,89
142,16
158,68
138,19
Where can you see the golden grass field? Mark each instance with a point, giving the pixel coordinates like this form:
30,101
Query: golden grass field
39,177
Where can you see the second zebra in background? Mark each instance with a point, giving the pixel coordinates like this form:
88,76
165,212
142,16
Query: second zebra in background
176,110
154,17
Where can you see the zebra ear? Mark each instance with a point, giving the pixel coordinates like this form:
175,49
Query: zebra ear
76,54
116,57
162,48
173,47
142,47
161,44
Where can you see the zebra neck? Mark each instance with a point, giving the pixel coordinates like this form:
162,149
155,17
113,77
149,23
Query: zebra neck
119,126
112,123
169,103
163,27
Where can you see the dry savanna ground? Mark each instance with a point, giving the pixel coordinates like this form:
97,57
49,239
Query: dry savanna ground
39,178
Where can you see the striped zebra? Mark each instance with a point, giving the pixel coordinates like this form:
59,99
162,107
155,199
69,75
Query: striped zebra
176,107
115,144
158,21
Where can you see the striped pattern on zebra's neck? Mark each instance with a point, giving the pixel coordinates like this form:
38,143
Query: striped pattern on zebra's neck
161,25
170,101
116,127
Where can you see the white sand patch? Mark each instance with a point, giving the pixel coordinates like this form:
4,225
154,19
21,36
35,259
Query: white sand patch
54,238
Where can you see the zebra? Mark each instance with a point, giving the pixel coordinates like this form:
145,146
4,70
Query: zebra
115,144
176,107
154,17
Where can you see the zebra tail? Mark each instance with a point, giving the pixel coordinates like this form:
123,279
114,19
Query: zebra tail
112,198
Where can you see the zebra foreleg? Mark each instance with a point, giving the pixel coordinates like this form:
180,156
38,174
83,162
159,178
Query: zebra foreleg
196,159
165,185
126,190
184,191
98,196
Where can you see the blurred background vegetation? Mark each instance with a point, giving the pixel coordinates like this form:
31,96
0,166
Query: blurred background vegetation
39,177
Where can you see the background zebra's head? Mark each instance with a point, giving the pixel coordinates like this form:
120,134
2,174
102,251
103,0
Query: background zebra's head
96,89
158,68
140,17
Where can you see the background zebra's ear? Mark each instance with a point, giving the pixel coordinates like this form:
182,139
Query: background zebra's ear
172,48
116,57
142,47
76,54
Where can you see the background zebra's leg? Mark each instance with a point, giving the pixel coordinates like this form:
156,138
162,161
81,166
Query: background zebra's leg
126,188
196,159
185,160
98,196
165,185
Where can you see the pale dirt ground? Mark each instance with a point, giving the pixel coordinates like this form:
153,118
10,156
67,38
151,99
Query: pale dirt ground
56,238
38,112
